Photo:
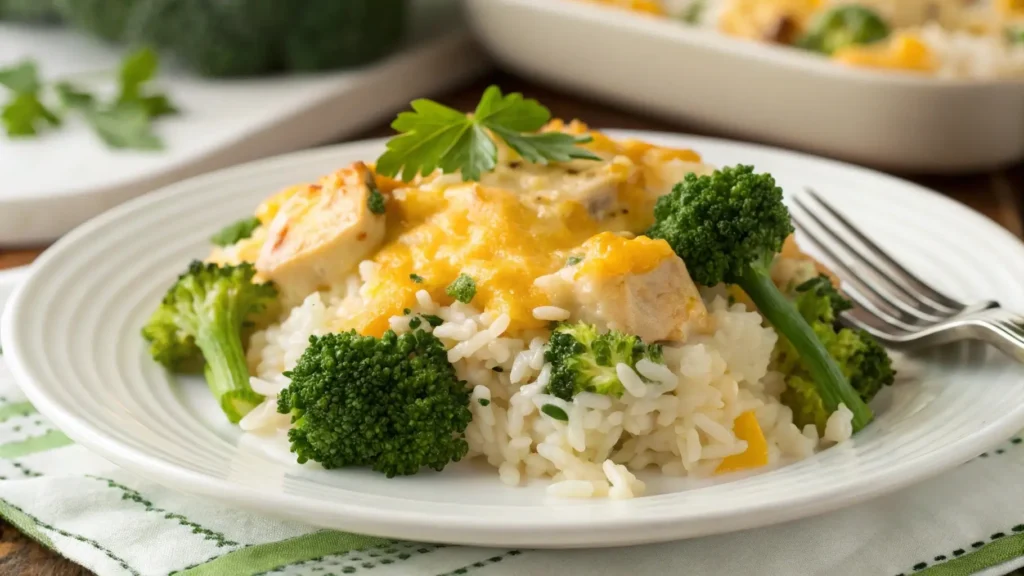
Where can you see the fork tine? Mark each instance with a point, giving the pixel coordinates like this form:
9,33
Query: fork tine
879,259
864,320
884,305
859,266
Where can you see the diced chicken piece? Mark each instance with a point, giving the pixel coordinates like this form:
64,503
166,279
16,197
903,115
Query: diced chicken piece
636,286
594,184
321,232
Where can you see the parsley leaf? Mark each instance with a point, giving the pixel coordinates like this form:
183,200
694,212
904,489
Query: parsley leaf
21,78
125,125
693,13
24,112
232,233
416,278
574,260
22,115
71,97
433,320
434,136
462,289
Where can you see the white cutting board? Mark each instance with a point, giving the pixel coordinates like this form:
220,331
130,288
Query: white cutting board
50,184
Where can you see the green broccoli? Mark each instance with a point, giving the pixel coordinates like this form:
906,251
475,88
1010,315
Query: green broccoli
255,37
843,26
462,289
235,231
862,359
206,311
728,227
392,403
28,10
106,19
584,360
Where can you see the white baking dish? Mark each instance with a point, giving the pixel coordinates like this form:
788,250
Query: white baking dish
774,94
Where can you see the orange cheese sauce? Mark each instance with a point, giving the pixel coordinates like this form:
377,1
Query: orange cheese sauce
509,230
746,428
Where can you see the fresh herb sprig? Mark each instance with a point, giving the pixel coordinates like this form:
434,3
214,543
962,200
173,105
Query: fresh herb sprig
435,136
125,122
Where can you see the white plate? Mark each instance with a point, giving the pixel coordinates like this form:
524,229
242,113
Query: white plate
53,183
756,91
72,338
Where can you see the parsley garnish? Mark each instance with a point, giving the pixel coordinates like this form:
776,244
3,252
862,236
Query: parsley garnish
415,323
498,369
462,289
693,12
24,113
375,202
574,260
433,320
484,402
435,136
125,122
235,231
416,278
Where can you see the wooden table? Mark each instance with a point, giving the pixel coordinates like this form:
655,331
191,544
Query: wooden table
998,195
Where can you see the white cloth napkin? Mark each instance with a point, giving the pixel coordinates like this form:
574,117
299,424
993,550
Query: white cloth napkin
968,521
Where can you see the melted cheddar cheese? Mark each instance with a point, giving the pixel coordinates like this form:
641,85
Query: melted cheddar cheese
756,455
904,51
608,254
521,222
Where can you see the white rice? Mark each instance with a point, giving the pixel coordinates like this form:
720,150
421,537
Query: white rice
677,416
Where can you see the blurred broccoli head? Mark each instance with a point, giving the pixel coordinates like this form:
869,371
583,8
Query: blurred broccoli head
583,360
843,26
724,223
392,403
861,358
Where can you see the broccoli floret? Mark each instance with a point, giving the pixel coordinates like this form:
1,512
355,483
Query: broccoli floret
844,26
257,37
28,10
209,307
584,360
728,227
862,359
392,403
235,231
107,19
462,289
171,345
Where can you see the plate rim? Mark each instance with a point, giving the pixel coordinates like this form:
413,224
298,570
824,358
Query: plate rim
483,529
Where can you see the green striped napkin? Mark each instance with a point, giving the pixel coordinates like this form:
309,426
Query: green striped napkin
969,521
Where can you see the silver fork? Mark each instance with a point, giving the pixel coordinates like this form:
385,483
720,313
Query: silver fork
894,305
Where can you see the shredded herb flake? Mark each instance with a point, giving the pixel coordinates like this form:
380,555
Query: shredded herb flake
462,289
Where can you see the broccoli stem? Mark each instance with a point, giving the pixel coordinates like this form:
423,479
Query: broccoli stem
832,385
227,373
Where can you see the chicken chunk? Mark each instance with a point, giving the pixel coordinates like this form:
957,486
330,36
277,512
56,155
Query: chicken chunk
636,286
321,232
594,184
